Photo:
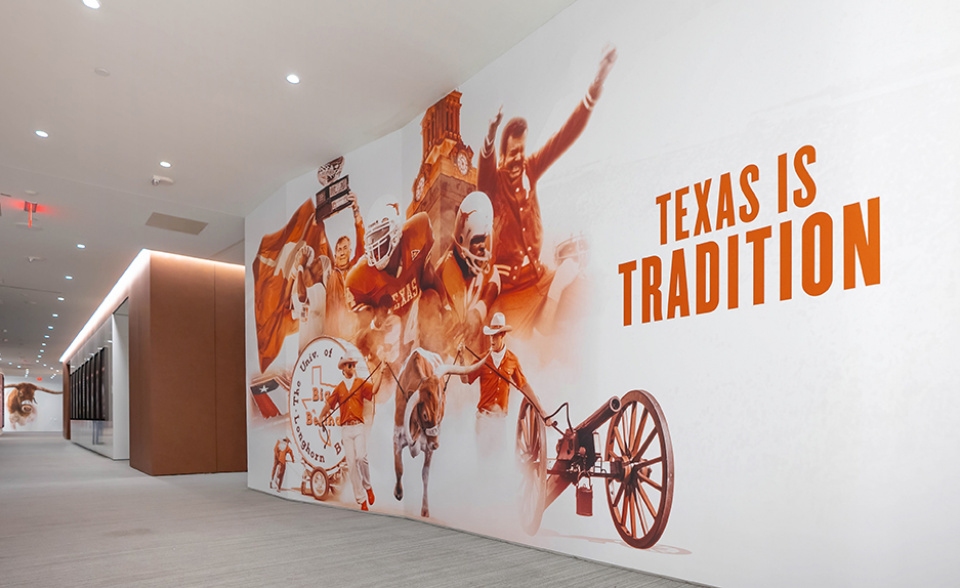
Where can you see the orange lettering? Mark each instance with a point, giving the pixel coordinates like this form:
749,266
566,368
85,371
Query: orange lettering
680,213
707,303
808,152
858,245
725,215
733,272
819,222
786,261
626,270
703,214
679,295
782,182
650,268
750,174
662,201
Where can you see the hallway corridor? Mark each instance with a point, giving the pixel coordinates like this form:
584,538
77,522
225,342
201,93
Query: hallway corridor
69,517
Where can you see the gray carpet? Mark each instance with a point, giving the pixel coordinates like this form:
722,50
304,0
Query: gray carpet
69,517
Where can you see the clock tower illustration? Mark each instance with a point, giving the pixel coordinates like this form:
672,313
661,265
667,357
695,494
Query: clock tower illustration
447,173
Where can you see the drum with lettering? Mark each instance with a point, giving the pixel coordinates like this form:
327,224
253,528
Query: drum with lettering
313,379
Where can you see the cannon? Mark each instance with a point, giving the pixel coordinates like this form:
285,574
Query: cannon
636,464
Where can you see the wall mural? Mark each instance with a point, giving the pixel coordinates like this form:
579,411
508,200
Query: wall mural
428,295
21,403
648,289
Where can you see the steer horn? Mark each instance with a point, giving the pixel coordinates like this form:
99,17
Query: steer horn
457,370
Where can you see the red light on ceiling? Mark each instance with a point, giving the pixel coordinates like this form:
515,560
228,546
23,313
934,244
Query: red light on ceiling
30,208
39,379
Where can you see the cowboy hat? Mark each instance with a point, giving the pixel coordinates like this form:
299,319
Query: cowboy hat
498,324
348,358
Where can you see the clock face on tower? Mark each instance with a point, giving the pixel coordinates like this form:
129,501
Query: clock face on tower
463,164
419,193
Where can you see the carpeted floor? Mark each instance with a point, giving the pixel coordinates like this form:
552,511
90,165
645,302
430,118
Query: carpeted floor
69,517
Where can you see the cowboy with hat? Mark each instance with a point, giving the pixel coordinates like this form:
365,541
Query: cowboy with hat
350,395
498,372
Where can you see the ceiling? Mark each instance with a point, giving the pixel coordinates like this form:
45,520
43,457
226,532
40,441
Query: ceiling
202,86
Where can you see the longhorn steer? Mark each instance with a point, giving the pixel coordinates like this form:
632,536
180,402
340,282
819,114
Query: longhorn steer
22,402
420,402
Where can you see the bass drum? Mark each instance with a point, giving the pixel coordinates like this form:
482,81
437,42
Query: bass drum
314,377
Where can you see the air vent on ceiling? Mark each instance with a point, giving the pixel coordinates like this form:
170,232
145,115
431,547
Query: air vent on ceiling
175,223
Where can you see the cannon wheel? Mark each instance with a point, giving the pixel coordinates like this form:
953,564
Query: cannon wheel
638,440
532,455
319,484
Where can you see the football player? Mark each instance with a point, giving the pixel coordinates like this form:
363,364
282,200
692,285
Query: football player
470,281
391,279
528,285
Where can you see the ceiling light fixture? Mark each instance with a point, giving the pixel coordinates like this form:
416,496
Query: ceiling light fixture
30,208
165,164
41,134
46,336
50,327
55,315
60,298
68,277
94,4
293,79
81,246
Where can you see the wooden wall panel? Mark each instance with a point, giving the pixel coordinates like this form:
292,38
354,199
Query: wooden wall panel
186,352
231,387
183,368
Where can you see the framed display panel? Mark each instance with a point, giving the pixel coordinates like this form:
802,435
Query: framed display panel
88,389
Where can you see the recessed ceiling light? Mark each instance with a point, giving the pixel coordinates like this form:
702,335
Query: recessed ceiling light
46,336
81,246
55,315
60,298
44,344
68,277
293,79
94,4
50,327
165,164
41,134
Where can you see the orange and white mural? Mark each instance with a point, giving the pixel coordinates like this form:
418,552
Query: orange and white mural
657,287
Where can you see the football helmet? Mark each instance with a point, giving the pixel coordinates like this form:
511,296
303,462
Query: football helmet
383,231
473,231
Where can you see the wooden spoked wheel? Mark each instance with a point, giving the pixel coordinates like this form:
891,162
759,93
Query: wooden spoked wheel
532,457
638,446
320,484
